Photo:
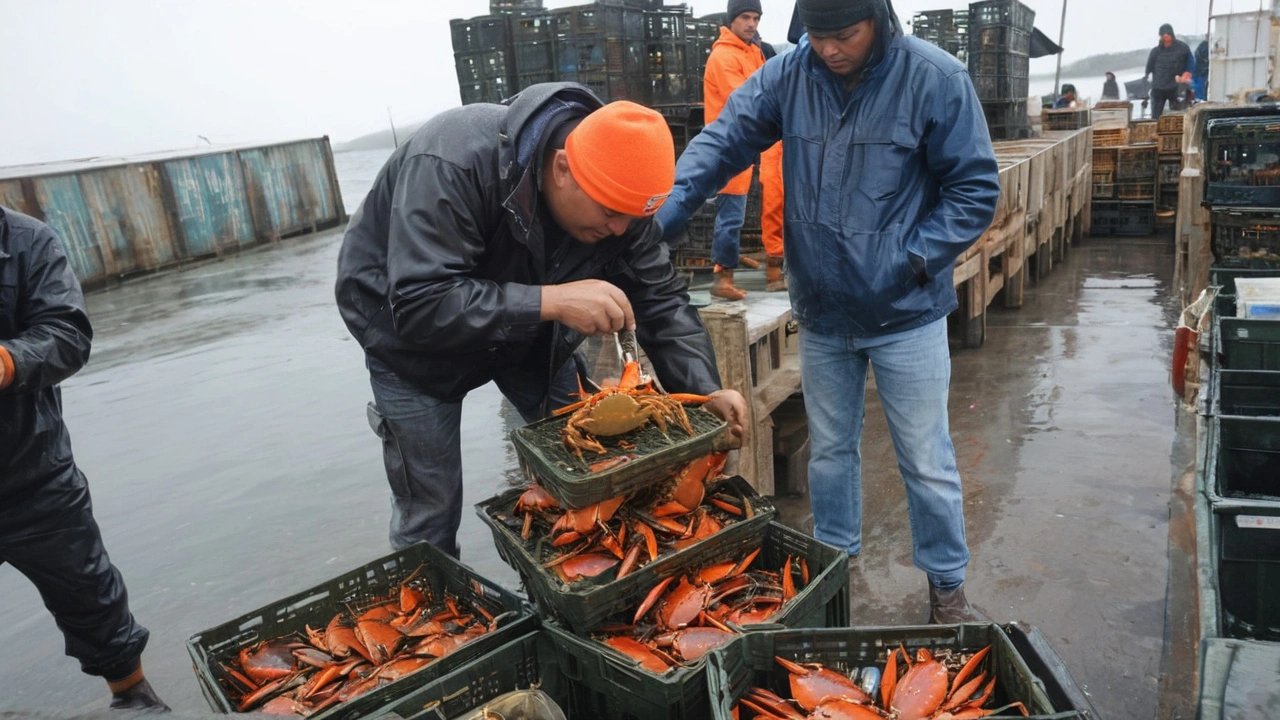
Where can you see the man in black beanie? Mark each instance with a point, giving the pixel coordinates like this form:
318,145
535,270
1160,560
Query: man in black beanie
889,177
1170,62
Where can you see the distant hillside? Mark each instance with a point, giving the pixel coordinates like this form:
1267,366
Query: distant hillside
379,140
1111,62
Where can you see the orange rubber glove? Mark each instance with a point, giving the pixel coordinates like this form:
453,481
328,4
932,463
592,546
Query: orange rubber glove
6,368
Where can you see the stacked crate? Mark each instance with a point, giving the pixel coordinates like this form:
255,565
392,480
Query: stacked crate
999,64
602,47
948,29
534,39
503,7
1169,146
1124,172
482,53
669,57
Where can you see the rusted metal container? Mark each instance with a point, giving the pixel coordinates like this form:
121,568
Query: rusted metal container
121,217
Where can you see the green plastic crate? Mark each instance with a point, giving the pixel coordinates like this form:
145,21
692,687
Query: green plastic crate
1248,569
1244,459
574,486
1225,277
528,661
317,605
1248,344
1239,680
1049,668
749,662
610,685
586,604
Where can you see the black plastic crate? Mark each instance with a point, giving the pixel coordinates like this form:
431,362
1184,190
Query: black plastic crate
482,67
1123,218
526,662
1000,39
1167,198
1000,87
1241,161
489,32
1004,115
1239,680
750,662
574,485
1248,344
532,27
1248,564
1064,119
1251,393
998,63
613,686
670,76
535,57
1050,670
666,25
494,90
1136,163
1244,458
579,58
317,605
1250,238
1168,171
1001,12
586,604
582,21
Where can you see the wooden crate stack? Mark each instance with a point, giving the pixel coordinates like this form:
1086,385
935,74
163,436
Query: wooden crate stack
1124,171
1169,167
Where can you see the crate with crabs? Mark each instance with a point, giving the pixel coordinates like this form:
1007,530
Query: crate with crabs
347,646
618,440
581,566
872,673
650,662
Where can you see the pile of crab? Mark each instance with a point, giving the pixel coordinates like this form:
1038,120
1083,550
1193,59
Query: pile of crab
617,411
357,652
945,686
686,616
624,534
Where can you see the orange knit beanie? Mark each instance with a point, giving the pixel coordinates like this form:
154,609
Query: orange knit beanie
623,157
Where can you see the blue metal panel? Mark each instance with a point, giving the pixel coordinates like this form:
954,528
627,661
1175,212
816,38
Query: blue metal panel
289,186
129,217
65,211
211,203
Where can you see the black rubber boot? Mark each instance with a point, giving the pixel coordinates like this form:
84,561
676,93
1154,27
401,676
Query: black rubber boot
139,696
948,607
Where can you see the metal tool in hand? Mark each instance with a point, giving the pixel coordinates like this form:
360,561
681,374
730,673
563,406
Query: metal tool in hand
629,351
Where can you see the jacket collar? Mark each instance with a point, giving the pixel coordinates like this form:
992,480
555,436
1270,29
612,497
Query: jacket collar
728,39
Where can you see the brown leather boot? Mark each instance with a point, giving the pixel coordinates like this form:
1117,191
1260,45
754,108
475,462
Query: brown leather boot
948,607
724,287
776,281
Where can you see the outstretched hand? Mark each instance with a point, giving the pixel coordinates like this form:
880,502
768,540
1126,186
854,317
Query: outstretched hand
730,406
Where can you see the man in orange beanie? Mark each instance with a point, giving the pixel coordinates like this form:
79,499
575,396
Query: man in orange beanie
492,242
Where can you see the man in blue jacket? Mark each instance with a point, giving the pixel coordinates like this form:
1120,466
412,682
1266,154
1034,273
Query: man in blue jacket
890,176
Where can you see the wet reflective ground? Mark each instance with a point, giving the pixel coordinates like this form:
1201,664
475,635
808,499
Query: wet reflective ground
221,425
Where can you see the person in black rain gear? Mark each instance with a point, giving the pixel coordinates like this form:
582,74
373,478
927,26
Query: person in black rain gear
1111,89
47,529
1169,63
1067,99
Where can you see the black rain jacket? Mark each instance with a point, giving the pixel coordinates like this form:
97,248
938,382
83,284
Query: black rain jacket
441,268
45,328
1166,64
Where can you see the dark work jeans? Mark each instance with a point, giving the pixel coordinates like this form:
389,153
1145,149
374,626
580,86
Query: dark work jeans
422,448
63,556
1160,97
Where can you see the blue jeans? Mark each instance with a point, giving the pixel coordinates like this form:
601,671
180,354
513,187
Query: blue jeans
731,212
913,377
422,448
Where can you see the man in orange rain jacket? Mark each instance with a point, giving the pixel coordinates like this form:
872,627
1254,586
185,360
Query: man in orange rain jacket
734,57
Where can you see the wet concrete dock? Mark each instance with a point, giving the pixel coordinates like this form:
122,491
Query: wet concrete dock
221,425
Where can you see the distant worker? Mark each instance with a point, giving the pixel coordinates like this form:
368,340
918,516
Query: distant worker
47,529
1110,88
890,176
1200,77
735,56
1067,99
1169,63
491,243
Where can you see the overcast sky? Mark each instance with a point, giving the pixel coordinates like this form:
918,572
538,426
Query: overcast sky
80,78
